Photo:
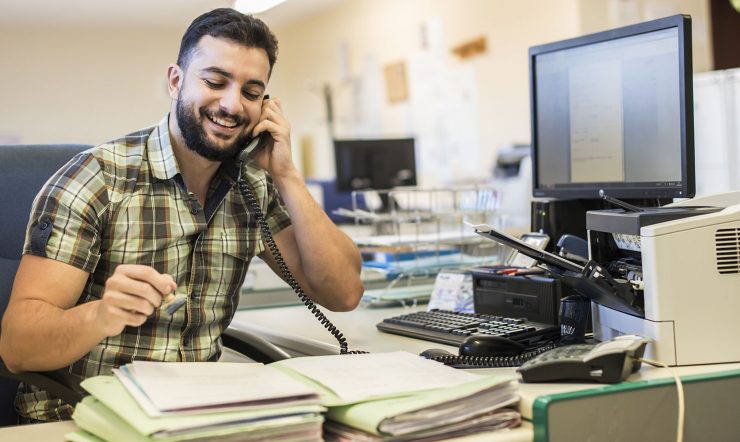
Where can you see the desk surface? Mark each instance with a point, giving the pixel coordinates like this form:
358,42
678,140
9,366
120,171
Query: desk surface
295,329
55,432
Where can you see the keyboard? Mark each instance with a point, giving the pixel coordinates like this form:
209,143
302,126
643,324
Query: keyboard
452,328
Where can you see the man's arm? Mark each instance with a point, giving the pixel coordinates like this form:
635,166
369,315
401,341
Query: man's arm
42,329
322,258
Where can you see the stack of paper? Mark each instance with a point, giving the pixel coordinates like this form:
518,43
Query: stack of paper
197,401
382,396
400,396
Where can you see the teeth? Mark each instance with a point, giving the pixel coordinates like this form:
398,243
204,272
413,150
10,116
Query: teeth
222,122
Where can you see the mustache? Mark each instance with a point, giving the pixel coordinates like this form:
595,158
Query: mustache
223,114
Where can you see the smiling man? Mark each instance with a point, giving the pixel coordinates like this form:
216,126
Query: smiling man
170,208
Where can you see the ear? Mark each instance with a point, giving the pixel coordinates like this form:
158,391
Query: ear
175,78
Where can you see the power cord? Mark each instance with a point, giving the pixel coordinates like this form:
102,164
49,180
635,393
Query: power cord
679,393
287,275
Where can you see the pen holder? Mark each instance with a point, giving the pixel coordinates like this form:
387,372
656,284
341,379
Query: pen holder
574,314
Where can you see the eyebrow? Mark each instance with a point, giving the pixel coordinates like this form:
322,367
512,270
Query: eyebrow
217,70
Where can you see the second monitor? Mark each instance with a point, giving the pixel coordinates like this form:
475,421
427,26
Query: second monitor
378,164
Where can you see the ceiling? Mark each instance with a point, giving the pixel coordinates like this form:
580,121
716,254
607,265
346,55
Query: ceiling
139,13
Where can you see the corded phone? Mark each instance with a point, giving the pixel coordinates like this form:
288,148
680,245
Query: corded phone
608,362
247,154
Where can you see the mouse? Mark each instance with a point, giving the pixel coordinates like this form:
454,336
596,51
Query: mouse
433,353
490,346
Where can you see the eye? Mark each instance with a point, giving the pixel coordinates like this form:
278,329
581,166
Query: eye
213,84
249,95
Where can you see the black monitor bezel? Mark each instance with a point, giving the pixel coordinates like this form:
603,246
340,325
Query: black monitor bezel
687,188
364,142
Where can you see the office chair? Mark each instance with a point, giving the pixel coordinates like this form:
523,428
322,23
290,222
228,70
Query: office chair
23,170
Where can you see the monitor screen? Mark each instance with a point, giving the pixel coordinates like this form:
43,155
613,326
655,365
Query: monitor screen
375,164
613,111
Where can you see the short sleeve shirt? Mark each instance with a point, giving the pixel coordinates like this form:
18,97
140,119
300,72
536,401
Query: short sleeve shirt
125,202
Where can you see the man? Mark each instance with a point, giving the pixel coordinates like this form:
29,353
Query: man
159,211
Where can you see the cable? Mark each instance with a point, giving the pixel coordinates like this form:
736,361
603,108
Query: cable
287,275
679,392
485,361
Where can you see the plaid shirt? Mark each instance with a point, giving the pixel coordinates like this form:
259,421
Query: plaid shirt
126,202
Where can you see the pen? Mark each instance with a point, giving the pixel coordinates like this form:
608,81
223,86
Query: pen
530,271
174,301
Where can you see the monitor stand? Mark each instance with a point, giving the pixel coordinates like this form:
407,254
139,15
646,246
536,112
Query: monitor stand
387,202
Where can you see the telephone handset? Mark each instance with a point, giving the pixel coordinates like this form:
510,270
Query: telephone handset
245,190
256,143
254,146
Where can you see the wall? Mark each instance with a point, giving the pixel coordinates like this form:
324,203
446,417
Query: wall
598,15
379,32
82,85
90,85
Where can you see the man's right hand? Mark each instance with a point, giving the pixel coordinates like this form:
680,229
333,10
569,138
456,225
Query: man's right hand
131,295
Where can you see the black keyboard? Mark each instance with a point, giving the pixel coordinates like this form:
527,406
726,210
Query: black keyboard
452,328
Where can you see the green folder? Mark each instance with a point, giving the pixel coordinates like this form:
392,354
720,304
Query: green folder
424,410
403,413
442,397
112,414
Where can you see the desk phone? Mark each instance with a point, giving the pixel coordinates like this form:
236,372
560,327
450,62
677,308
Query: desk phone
607,362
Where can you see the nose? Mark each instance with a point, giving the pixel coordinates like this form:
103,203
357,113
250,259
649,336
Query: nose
231,101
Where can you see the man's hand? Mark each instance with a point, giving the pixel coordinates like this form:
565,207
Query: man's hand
131,295
275,156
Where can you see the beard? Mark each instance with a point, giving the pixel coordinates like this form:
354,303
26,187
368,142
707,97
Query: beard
195,135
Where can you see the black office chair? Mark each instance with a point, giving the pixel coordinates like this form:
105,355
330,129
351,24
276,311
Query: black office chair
23,170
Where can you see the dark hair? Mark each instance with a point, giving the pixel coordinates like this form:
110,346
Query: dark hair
232,25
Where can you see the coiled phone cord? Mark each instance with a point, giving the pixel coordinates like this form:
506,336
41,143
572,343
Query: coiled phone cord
287,275
487,361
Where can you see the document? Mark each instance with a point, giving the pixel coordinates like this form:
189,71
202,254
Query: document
380,394
164,387
401,394
355,378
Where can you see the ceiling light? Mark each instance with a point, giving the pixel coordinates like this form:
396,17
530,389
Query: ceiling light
255,6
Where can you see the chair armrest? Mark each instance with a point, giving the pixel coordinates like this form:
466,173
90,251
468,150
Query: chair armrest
252,346
59,383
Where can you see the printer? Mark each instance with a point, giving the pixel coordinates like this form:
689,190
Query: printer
670,274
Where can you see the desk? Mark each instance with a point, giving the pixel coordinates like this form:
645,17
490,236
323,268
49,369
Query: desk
54,431
294,329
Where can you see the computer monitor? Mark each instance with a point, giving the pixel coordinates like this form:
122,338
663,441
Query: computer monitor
379,164
614,111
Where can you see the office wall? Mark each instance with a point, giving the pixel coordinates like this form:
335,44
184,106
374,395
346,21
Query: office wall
90,85
344,45
374,33
82,85
598,15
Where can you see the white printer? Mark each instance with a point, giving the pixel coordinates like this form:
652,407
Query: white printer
672,275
